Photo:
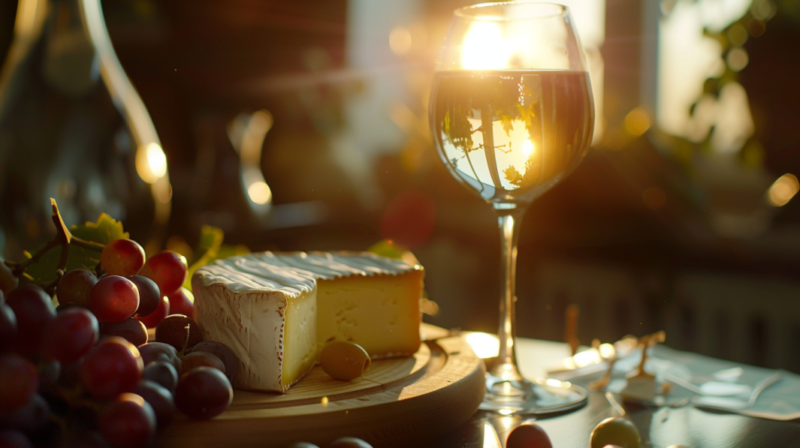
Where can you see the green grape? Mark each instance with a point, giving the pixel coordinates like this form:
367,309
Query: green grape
344,360
615,431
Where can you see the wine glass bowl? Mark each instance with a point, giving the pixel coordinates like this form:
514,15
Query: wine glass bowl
512,114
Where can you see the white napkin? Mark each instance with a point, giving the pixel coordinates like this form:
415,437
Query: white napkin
780,401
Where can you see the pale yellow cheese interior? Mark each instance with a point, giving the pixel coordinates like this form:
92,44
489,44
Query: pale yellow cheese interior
299,338
379,312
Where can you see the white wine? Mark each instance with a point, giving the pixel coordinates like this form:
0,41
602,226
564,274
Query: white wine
511,135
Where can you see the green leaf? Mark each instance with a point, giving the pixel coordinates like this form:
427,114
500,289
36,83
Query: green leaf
210,241
103,231
512,175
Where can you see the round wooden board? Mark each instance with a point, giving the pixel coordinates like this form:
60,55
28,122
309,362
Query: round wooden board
397,402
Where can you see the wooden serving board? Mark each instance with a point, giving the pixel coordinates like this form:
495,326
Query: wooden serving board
397,402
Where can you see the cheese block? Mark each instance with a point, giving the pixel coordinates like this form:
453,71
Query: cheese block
276,310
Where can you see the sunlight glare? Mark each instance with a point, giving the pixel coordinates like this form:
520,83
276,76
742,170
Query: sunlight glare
527,148
490,437
484,47
484,345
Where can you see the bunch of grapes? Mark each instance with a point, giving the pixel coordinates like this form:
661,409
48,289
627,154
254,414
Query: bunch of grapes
84,374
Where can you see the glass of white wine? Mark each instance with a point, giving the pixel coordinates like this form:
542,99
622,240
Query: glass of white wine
512,114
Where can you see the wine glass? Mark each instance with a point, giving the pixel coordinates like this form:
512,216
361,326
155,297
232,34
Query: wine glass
511,113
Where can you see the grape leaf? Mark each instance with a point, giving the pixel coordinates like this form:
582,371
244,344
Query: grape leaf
103,231
209,249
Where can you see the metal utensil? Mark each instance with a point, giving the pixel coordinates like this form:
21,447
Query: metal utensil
733,404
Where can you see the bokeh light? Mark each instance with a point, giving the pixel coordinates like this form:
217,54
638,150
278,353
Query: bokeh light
637,122
259,192
400,40
783,190
151,162
737,59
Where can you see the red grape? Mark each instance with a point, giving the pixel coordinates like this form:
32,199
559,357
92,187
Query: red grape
122,257
75,287
528,435
173,331
224,353
29,418
112,367
153,319
19,381
182,302
128,421
114,298
162,373
168,269
49,372
33,309
149,295
203,393
8,327
70,335
159,351
202,359
129,329
69,376
14,439
83,438
159,398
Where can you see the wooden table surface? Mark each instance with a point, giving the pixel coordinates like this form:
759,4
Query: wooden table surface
659,427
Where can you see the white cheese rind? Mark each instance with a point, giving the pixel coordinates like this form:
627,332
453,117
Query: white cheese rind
251,324
242,302
295,273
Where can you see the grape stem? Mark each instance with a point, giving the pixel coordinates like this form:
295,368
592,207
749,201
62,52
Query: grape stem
50,288
63,238
185,343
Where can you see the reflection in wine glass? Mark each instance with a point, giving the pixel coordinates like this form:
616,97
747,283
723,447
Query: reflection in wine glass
511,113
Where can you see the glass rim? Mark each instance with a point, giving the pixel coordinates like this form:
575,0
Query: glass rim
472,12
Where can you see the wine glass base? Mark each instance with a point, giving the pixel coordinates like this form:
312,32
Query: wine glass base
537,397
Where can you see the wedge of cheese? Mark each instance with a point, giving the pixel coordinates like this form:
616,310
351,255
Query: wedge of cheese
276,310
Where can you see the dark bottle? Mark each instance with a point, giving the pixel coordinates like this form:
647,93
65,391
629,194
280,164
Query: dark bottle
72,127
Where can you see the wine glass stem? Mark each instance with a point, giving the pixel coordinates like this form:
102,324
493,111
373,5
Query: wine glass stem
506,366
